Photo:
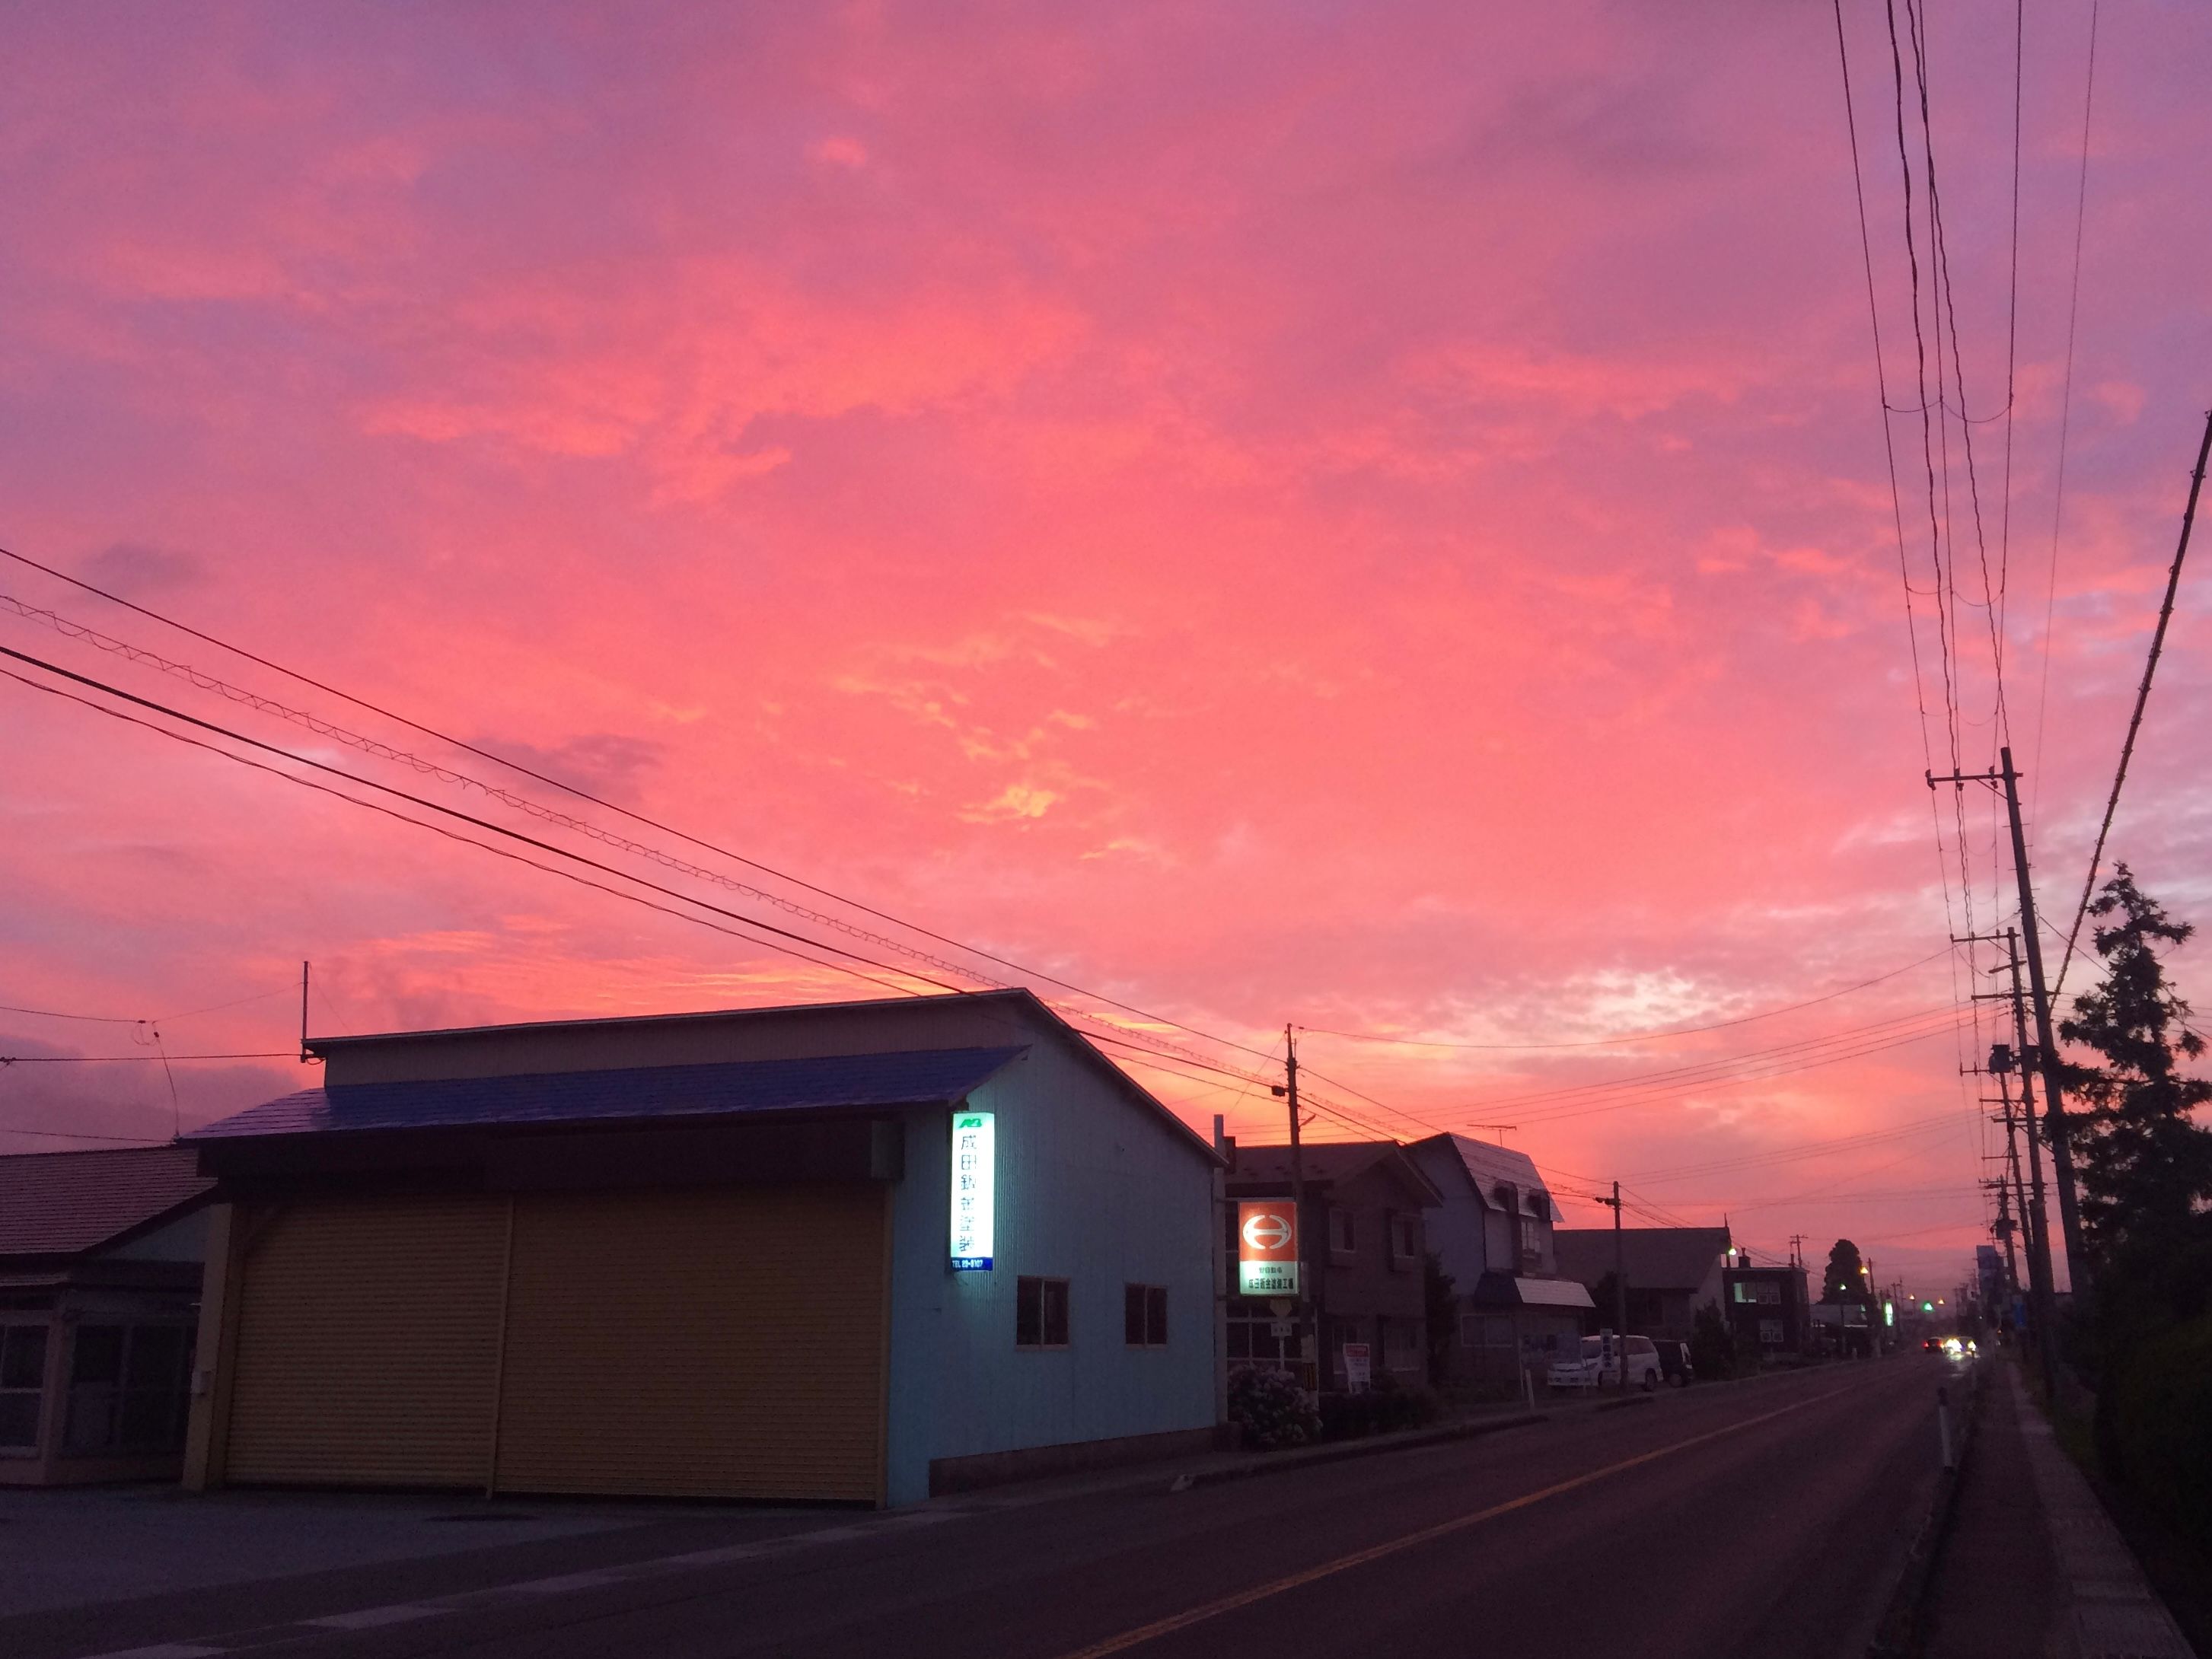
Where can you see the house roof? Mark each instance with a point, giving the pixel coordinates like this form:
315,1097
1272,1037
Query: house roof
728,1089
1657,1258
66,1204
1018,1000
1331,1163
1488,1166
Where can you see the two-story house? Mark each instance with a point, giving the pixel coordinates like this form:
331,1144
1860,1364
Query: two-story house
1493,1228
1362,1240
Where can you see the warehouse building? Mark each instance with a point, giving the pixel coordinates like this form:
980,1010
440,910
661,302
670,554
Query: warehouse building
856,1252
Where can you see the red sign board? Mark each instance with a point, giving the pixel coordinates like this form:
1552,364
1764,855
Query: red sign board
1266,1248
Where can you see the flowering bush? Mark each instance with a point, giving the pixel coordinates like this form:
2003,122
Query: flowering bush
1271,1407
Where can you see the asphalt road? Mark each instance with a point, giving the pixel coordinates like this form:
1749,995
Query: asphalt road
1758,1520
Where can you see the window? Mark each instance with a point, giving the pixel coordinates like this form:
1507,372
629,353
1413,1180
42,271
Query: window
1405,1241
1145,1315
1531,1240
22,1382
1770,1332
1343,1237
1040,1313
128,1389
1769,1292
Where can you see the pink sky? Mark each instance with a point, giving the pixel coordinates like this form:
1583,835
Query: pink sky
1373,517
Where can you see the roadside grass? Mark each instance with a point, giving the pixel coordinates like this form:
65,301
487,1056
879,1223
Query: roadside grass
2178,1568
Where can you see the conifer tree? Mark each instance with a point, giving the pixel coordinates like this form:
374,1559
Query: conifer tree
2145,1162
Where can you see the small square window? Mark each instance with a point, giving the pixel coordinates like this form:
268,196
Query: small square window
1343,1236
1040,1313
1145,1315
1405,1242
22,1356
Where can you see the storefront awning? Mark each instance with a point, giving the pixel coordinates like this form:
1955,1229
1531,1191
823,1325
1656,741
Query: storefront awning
1508,1291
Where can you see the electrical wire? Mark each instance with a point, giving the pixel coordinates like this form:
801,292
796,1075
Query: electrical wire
1626,1036
448,811
2143,697
386,812
580,793
2065,410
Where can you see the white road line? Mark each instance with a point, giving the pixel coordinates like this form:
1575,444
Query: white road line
659,1566
399,1612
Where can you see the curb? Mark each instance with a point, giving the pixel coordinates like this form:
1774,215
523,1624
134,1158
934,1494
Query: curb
1901,1632
1371,1446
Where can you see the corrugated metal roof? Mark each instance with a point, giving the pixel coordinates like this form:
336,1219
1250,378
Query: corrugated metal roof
733,1088
59,1204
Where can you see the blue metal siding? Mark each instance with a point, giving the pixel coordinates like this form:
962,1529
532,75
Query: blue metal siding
1093,1188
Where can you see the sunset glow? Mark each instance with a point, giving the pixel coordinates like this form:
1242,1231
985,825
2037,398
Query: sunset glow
1370,518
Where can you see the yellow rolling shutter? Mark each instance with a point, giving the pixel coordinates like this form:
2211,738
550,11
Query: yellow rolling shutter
368,1343
721,1343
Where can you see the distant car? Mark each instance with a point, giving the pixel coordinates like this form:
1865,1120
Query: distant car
1589,1369
1674,1364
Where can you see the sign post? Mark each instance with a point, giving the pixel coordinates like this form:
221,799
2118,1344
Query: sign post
975,1190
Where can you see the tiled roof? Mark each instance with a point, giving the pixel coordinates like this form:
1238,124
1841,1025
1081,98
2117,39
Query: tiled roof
1487,1166
1657,1258
726,1089
63,1203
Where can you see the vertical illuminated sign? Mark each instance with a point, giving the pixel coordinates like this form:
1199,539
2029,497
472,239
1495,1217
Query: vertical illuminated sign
1267,1249
974,1190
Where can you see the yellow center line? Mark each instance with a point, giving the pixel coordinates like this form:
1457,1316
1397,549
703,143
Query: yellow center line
1159,1627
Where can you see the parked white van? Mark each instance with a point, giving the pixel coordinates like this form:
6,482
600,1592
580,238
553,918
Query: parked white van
1592,1368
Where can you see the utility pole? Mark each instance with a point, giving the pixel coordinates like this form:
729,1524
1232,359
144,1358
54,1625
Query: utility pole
2046,1049
1619,1287
1305,1329
304,1055
2043,1290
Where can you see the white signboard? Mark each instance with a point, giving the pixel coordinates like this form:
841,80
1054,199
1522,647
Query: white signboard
1359,1367
975,1197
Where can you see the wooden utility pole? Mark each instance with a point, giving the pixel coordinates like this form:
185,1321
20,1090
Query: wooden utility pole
1305,1323
1620,1288
2046,1042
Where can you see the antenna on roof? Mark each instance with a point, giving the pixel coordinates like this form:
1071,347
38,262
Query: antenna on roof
1501,1130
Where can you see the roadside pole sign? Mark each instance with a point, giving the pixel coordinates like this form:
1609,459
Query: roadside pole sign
1359,1366
975,1190
1266,1248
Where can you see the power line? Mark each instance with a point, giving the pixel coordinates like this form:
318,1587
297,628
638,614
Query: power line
138,1059
497,852
2143,697
2065,406
150,1019
1722,1062
82,1134
580,793
1626,1036
448,812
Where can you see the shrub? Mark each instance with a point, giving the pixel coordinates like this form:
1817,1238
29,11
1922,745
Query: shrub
1271,1408
1388,1404
2161,1425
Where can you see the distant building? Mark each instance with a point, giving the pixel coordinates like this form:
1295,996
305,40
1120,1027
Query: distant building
1492,1229
1768,1308
1672,1272
100,1260
1362,1239
856,1252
